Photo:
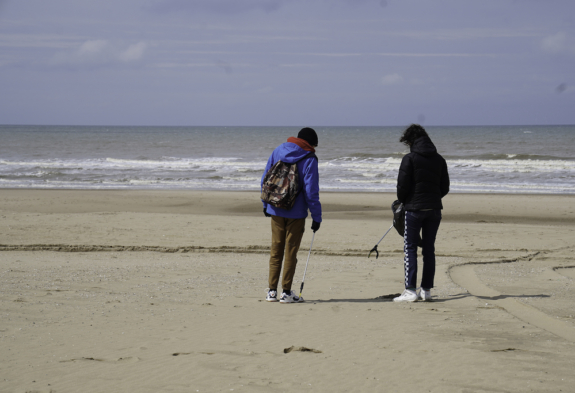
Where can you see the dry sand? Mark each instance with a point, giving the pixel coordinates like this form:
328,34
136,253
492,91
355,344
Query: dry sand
162,291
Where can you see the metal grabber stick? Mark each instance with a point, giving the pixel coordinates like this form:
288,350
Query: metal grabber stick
375,248
303,279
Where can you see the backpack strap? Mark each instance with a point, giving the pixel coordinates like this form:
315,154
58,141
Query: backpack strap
311,154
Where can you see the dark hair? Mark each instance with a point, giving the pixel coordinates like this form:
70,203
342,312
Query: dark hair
412,132
309,135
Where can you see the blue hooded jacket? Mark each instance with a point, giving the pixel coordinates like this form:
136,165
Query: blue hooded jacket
308,198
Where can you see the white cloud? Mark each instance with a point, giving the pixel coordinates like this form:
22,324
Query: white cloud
134,52
97,53
92,48
559,43
392,79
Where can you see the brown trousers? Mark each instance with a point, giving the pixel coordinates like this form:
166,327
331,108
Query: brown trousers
286,238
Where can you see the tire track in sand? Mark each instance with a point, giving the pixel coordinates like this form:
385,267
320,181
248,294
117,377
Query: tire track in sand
464,276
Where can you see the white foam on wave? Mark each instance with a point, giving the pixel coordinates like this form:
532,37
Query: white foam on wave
373,181
182,163
462,186
348,173
138,184
129,163
241,178
367,166
525,166
46,163
349,162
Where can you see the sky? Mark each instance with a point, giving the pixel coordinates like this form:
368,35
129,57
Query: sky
287,62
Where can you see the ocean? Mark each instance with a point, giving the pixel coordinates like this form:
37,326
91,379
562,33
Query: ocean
494,159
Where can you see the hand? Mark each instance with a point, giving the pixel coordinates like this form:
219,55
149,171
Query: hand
266,213
315,226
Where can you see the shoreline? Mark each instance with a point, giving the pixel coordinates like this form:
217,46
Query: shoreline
512,208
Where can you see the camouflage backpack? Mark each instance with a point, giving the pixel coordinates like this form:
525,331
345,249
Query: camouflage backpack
281,184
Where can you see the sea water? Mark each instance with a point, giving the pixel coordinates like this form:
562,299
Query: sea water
501,159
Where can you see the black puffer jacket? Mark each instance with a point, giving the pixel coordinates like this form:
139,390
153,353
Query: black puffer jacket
423,179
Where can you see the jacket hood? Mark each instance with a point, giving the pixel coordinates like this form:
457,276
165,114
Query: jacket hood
423,146
290,152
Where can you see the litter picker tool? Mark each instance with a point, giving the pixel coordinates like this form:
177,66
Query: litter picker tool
303,279
375,247
398,223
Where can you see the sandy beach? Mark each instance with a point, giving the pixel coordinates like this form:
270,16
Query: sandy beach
163,291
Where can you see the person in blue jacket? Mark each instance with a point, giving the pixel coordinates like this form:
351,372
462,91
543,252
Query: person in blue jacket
288,225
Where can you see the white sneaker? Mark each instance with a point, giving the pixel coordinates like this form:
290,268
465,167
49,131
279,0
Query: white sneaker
424,295
272,296
291,298
407,296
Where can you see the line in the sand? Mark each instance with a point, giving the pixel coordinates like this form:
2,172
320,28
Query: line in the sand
464,276
183,249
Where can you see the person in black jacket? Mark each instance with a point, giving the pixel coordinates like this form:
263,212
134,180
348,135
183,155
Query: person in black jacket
422,182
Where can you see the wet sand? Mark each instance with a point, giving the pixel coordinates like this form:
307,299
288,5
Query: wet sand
148,291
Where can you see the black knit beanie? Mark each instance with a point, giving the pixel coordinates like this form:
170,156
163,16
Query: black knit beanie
308,135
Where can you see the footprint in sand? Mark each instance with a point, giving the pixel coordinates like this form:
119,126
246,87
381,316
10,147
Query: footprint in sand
127,359
301,349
